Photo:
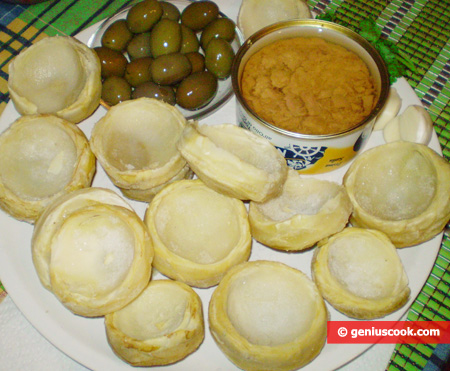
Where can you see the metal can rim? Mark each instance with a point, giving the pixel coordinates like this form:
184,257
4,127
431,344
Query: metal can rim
314,23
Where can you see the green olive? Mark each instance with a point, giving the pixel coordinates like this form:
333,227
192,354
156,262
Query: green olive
199,14
151,90
138,71
115,90
219,57
220,27
117,35
165,37
189,40
169,69
142,16
197,61
113,63
139,46
196,90
170,11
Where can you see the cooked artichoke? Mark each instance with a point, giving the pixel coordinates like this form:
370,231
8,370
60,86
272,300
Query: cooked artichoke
43,157
161,326
401,189
92,251
197,233
234,161
135,142
256,14
306,211
146,195
358,271
265,315
58,75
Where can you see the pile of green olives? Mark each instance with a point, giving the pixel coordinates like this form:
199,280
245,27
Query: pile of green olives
160,52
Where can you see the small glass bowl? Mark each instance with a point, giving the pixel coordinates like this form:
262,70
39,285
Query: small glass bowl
224,90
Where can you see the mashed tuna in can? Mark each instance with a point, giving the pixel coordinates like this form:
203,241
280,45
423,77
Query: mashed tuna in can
308,85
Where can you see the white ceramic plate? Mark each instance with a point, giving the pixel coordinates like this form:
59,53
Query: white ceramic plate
84,339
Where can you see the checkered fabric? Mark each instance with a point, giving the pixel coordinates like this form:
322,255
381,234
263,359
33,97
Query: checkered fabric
421,30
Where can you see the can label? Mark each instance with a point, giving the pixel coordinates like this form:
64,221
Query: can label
330,159
313,156
301,157
245,123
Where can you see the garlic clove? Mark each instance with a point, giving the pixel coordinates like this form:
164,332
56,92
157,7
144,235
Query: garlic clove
416,125
391,131
413,125
256,14
390,110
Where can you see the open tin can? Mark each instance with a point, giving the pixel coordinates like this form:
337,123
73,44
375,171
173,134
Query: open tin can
306,153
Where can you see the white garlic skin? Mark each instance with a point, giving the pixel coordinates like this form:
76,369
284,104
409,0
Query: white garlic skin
413,125
390,109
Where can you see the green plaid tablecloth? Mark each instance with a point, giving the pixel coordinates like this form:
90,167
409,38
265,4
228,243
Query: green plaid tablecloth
421,29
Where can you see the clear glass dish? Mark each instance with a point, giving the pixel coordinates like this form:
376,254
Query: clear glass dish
225,89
